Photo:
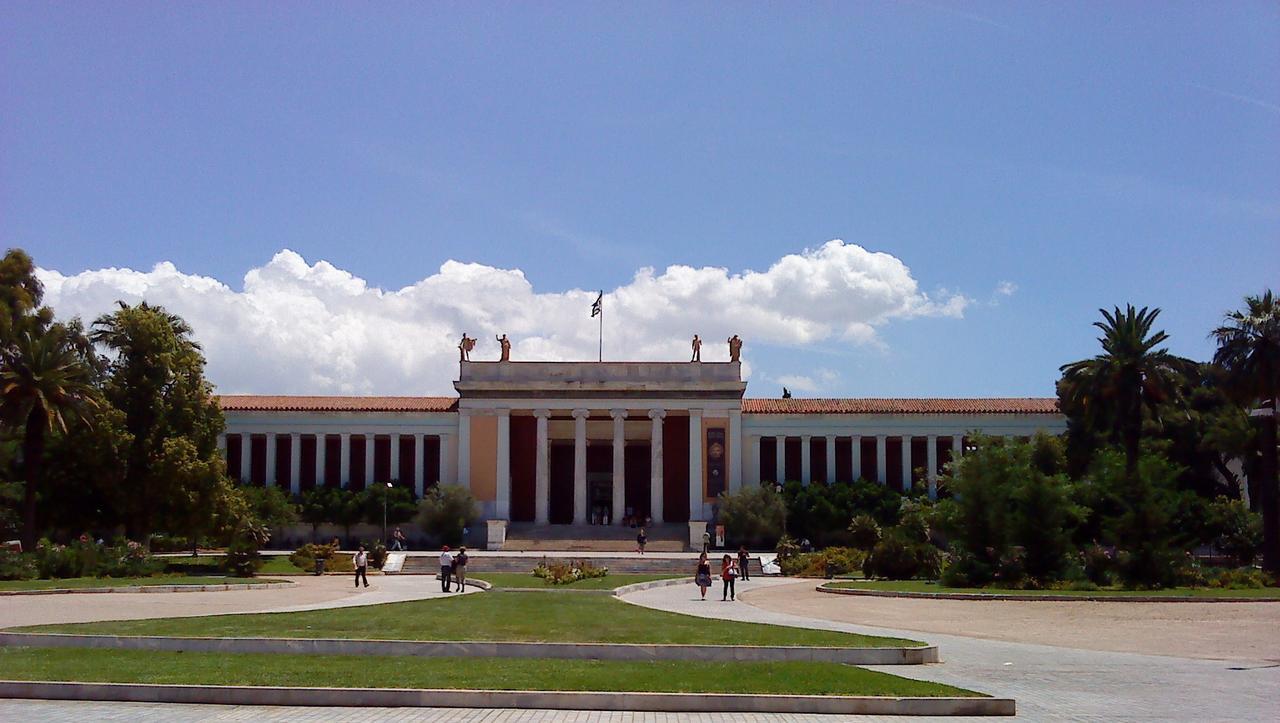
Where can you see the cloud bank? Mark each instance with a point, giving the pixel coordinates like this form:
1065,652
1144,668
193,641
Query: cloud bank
299,328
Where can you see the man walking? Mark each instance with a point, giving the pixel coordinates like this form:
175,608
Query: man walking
361,562
446,569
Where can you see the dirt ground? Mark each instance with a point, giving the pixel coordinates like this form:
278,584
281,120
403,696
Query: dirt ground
1218,631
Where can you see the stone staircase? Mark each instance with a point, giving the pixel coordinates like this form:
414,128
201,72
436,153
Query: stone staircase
646,565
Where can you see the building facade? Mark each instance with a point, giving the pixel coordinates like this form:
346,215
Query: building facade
607,442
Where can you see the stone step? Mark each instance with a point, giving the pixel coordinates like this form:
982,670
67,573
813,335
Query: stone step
420,565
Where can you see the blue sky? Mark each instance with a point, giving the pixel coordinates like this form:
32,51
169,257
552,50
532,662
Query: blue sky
1084,154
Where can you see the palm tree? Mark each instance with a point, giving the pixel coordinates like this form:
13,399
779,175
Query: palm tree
1117,388
44,383
1249,353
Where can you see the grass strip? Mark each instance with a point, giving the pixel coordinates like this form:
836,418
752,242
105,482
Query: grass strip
512,616
927,586
73,583
507,580
351,671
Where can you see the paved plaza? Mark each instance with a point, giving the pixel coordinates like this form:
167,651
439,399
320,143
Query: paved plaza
1050,682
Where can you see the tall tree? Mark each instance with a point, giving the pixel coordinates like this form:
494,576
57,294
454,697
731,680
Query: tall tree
1249,354
44,383
1125,384
156,378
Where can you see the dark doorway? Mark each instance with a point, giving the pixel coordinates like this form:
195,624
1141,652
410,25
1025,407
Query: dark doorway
868,466
794,464
818,459
307,470
675,469
357,472
639,470
234,442
560,509
524,463
284,460
769,460
893,458
332,460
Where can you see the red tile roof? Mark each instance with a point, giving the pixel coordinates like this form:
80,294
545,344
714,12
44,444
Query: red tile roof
256,403
901,406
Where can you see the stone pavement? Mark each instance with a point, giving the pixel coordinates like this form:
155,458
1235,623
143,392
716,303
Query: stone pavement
1048,682
310,593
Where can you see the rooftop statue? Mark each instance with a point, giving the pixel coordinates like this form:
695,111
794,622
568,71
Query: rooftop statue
505,343
735,348
465,346
697,349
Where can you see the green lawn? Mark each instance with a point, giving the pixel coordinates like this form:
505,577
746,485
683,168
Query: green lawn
511,616
933,587
279,565
83,582
516,580
139,666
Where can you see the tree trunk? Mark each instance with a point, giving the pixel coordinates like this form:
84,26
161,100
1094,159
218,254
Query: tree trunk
1270,493
32,456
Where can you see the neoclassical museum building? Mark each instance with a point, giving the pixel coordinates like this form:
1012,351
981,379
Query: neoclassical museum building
606,442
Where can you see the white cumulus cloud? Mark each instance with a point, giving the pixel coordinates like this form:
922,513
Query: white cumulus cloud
299,328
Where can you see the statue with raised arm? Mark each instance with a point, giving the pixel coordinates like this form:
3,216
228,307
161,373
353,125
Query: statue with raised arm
505,343
697,349
465,346
735,348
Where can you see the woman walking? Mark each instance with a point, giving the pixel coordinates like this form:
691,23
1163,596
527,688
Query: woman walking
641,539
703,575
460,568
744,563
728,574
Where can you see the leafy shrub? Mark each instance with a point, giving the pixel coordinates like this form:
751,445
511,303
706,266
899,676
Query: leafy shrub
1245,578
787,547
377,554
305,558
898,557
821,512
170,543
753,515
1236,531
270,506
827,563
1099,564
17,566
128,560
445,510
242,558
563,573
864,532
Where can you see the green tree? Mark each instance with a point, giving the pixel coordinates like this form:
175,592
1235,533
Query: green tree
1142,531
156,378
1249,353
317,506
201,501
270,506
44,383
1116,390
21,295
445,510
754,515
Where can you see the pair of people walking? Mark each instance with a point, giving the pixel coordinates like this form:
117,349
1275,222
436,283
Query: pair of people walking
453,569
728,576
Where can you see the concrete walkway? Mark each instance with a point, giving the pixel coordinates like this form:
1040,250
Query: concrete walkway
310,593
1048,682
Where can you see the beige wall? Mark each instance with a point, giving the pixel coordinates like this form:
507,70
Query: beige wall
484,457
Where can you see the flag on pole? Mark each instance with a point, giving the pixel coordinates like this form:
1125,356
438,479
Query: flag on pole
598,308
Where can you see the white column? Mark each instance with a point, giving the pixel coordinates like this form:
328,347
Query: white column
369,447
619,465
737,450
933,466
344,461
503,500
831,459
805,462
320,477
420,465
580,465
395,456
751,452
295,462
655,465
780,457
882,475
957,447
246,457
448,472
695,465
222,444
464,448
542,473
856,441
271,460
906,463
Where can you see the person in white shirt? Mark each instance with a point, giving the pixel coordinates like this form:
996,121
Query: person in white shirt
446,569
361,562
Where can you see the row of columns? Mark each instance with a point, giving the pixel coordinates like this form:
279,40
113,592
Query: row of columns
882,472
295,457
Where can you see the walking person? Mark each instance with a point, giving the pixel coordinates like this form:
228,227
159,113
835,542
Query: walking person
446,569
744,563
398,541
361,562
703,575
460,568
706,542
728,574
641,539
